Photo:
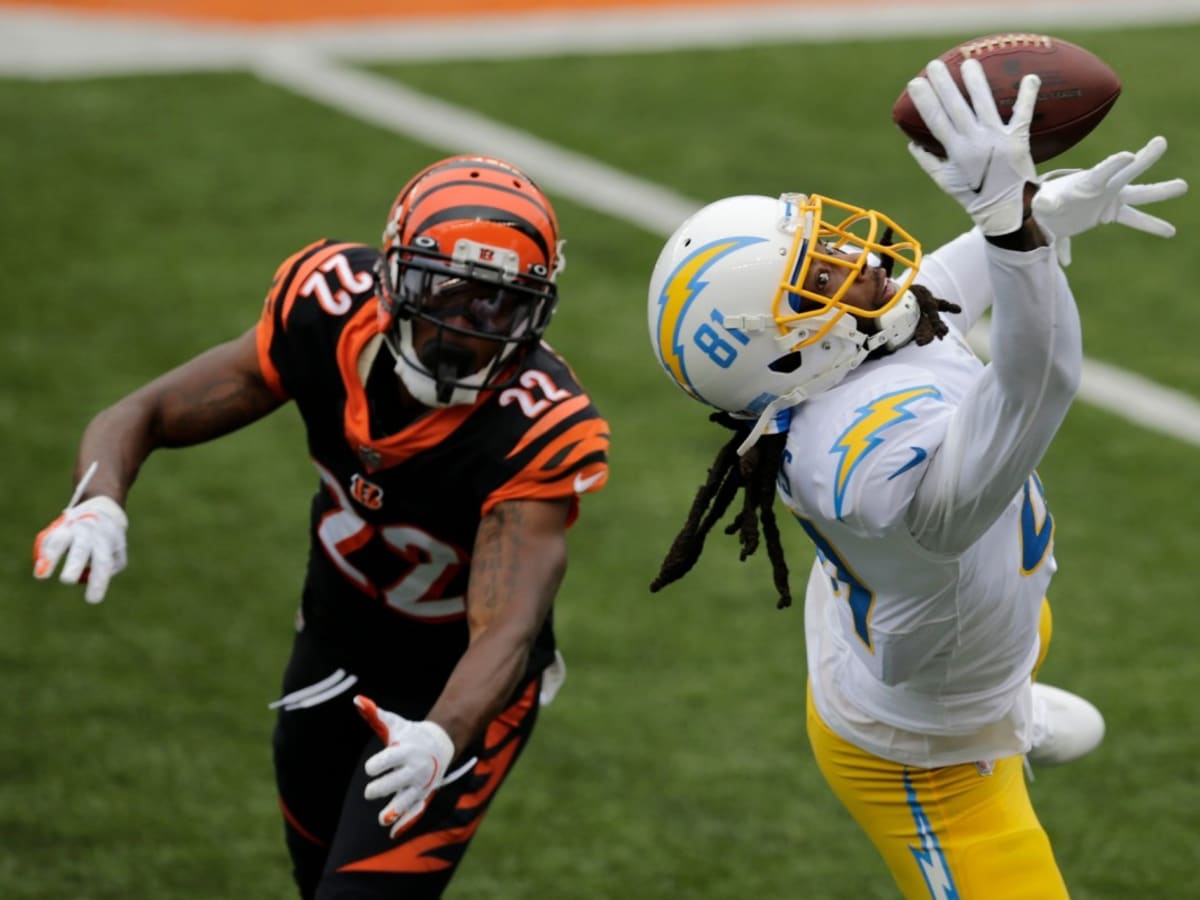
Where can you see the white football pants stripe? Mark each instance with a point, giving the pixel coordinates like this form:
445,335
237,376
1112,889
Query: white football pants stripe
326,689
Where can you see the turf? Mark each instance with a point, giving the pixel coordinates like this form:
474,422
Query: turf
142,220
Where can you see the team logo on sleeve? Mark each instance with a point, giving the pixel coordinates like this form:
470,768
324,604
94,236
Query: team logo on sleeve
864,434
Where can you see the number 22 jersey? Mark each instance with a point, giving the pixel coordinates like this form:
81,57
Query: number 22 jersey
395,516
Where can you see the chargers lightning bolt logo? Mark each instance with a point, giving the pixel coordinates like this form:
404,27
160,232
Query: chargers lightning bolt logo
679,291
863,435
929,856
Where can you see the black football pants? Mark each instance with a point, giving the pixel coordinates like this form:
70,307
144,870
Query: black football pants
338,848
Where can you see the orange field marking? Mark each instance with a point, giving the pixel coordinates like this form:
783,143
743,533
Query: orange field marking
266,11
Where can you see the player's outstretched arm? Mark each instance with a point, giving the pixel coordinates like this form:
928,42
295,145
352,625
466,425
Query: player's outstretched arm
215,393
1072,201
1001,428
519,561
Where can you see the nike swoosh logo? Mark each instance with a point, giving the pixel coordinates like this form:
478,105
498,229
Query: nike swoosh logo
583,484
982,178
919,455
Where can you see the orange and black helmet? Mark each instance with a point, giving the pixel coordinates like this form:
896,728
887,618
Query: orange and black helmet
471,245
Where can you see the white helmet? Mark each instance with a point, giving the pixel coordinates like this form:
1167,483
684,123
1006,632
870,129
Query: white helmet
731,321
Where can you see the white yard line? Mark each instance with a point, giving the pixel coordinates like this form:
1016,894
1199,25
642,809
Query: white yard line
300,59
1127,395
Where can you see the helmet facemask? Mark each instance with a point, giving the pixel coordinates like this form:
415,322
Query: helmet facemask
460,295
860,238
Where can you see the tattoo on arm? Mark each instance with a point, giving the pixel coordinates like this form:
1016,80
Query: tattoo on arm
192,413
493,568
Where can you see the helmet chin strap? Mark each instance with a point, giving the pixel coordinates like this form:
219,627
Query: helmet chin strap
792,398
431,392
447,372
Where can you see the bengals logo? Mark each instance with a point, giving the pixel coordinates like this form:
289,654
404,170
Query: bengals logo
366,493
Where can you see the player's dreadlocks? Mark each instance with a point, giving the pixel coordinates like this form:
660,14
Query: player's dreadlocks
930,325
756,472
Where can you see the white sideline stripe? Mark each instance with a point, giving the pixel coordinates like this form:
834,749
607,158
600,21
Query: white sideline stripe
655,30
36,42
1132,397
394,107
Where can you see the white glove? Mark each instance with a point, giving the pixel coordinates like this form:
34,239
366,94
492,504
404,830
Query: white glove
1072,201
987,162
95,533
411,767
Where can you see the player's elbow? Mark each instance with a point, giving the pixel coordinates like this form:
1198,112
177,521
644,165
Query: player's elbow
1066,374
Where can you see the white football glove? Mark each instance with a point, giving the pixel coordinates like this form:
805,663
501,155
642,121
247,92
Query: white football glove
92,535
1072,201
987,162
410,768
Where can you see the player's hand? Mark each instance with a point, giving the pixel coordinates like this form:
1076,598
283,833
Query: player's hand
987,162
92,534
1072,201
410,768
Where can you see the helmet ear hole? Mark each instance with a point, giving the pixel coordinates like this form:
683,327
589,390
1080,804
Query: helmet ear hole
787,363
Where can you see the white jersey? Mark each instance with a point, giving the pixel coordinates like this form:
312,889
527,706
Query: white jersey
915,479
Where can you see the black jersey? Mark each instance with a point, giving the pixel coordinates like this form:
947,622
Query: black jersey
396,513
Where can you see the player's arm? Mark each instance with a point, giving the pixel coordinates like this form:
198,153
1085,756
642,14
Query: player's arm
215,393
212,394
1005,422
1002,426
518,563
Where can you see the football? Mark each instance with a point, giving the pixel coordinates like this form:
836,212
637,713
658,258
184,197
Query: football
1078,89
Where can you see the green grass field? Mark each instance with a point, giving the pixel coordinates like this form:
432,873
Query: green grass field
141,221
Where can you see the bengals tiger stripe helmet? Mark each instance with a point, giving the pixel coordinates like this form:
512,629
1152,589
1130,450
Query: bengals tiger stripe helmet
471,246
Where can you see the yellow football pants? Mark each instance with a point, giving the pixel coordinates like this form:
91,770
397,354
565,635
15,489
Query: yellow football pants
954,833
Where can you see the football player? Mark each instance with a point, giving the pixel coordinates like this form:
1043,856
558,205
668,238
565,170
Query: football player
452,446
910,464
